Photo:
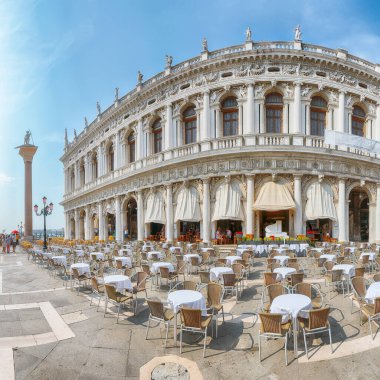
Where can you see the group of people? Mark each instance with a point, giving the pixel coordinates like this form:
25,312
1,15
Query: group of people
8,242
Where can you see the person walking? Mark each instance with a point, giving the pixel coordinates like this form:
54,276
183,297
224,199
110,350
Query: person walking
8,243
3,243
14,243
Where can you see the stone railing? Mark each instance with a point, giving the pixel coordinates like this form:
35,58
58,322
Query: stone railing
222,145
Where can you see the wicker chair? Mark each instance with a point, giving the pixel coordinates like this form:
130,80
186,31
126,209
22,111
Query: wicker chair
311,291
359,285
376,277
231,283
97,289
317,323
117,298
193,321
204,277
158,313
139,287
372,312
271,292
359,271
294,278
272,327
185,285
334,278
79,278
238,269
214,301
169,277
270,278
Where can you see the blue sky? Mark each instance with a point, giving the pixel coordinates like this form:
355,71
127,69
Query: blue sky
59,57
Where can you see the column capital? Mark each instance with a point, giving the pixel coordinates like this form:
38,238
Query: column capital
250,176
206,181
297,176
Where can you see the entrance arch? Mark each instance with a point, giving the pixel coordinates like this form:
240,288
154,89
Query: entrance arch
82,218
111,224
359,215
72,229
130,217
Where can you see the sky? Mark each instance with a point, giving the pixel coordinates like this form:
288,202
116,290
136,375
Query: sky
59,57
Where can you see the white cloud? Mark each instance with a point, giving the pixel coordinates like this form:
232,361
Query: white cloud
5,179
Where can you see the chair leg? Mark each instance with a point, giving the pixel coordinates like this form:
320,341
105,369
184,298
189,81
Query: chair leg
204,343
167,333
305,341
118,312
259,346
370,326
330,340
286,348
147,329
180,341
100,297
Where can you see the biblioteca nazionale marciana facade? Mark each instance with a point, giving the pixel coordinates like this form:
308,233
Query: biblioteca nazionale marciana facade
238,138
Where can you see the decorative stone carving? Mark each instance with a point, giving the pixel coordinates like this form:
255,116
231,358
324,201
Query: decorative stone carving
214,96
305,91
242,92
288,90
349,101
259,89
333,96
290,69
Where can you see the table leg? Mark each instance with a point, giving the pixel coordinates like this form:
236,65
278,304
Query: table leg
175,329
295,337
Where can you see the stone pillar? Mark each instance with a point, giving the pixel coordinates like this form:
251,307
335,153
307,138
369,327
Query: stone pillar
100,221
297,108
117,149
249,211
341,111
307,121
377,220
27,152
67,225
140,216
350,122
169,132
169,214
205,125
100,161
87,229
342,210
77,222
119,226
250,127
298,202
139,140
206,220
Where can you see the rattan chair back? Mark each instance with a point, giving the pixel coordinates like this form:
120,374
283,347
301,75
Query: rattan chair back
271,323
191,317
376,277
275,290
156,308
318,318
270,278
229,279
359,272
111,292
146,269
204,277
359,285
296,278
164,272
214,294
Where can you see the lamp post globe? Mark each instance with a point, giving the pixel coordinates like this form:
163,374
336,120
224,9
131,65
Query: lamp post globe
45,211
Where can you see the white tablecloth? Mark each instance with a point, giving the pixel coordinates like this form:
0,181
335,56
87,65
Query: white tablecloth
283,272
155,266
351,249
282,259
126,261
348,269
207,249
319,249
245,246
188,257
159,254
372,255
79,252
49,255
328,257
59,259
175,249
280,250
119,281
125,252
99,255
231,259
187,298
373,291
218,272
291,304
82,267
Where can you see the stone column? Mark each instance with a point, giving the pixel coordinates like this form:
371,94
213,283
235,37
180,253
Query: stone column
139,140
119,227
307,121
206,218
249,211
377,220
341,111
27,152
298,202
342,210
250,127
350,121
100,221
297,108
67,225
87,232
99,163
76,218
169,214
169,127
140,216
117,149
205,124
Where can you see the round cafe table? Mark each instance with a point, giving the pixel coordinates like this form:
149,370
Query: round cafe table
119,281
187,298
59,260
155,266
49,255
283,260
175,249
373,292
188,257
82,267
292,305
328,257
98,255
231,259
372,255
125,261
283,272
216,274
159,254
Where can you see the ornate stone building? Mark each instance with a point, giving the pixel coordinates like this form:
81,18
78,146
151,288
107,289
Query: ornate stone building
233,138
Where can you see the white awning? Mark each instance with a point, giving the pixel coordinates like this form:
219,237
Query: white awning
155,209
228,202
320,202
187,209
274,196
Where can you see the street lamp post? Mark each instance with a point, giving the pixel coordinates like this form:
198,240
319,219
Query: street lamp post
45,211
20,227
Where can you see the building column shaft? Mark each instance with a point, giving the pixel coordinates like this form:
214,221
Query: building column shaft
169,213
307,121
205,128
140,141
342,210
298,202
377,220
119,227
206,232
250,127
140,216
169,133
249,210
77,222
341,110
297,108
100,221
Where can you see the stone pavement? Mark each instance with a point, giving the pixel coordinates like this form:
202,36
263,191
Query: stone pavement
50,332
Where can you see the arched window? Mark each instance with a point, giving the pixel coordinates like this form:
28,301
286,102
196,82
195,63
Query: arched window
273,109
111,158
318,109
131,147
190,125
230,117
358,121
157,136
94,166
